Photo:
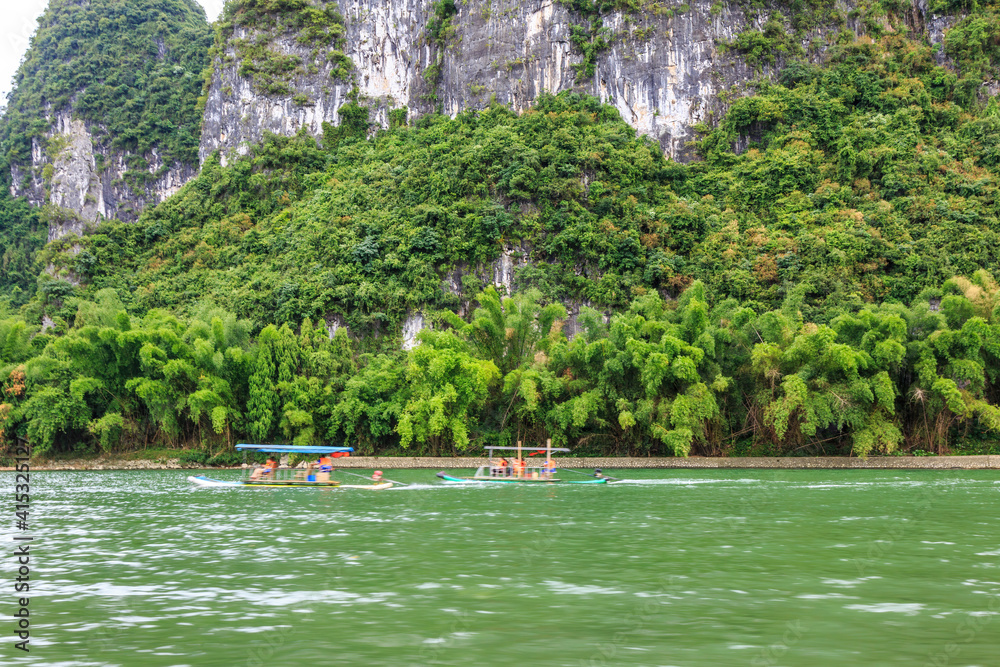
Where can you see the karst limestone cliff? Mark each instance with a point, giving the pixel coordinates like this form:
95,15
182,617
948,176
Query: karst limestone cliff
666,67
85,178
664,74
665,70
103,120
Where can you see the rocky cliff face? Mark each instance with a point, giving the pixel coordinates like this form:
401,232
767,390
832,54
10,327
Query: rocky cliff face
86,178
104,113
664,70
663,74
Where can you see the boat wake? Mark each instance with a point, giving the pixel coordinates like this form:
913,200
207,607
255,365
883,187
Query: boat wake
419,487
682,482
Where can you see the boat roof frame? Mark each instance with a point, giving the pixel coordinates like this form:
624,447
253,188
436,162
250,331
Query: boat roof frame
530,449
291,449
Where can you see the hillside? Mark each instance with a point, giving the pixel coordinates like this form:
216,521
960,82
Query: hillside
818,278
866,180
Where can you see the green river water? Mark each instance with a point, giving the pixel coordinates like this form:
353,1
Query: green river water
673,567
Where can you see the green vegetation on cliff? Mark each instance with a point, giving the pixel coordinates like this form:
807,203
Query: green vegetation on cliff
22,235
132,69
799,289
660,377
314,23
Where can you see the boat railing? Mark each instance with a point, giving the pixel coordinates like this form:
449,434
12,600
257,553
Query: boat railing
287,475
515,472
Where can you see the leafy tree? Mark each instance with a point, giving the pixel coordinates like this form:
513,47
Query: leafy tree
366,412
810,381
447,388
263,394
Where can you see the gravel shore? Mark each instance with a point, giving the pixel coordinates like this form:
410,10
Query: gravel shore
444,463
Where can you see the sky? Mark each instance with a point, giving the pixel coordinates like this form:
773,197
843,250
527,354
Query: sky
17,24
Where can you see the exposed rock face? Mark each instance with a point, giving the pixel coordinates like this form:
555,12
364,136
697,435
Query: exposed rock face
663,73
333,323
66,175
411,327
662,82
505,267
383,41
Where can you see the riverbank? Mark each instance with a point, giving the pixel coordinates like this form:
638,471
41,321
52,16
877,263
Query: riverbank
444,463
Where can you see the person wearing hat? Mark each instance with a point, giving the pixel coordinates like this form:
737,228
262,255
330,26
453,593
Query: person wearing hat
377,476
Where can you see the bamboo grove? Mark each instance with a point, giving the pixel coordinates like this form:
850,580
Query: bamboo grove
659,378
822,278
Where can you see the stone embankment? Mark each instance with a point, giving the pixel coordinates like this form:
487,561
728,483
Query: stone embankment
108,464
621,462
443,463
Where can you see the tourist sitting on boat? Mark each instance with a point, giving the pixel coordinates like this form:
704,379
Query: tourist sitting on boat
519,466
549,469
377,476
325,463
267,471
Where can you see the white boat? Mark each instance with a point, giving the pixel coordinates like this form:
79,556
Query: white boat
548,473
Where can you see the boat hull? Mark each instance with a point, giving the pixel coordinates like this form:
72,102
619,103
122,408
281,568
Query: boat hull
202,480
513,480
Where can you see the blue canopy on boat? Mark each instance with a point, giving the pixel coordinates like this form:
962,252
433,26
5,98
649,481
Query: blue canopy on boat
292,449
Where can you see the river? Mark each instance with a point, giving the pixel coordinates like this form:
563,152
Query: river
672,567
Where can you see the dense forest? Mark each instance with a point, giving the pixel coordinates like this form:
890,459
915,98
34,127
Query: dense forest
821,280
